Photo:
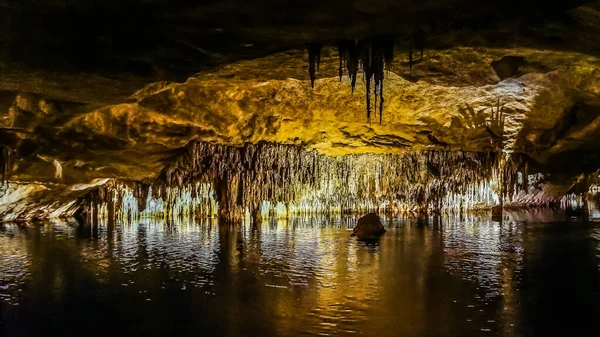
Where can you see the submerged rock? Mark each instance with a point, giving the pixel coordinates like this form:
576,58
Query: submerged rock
369,227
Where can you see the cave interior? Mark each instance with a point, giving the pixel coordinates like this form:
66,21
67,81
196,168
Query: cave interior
123,109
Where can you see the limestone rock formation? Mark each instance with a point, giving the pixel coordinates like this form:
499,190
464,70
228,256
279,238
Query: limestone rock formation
123,100
369,227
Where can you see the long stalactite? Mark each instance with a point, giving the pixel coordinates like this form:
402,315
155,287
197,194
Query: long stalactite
417,41
314,61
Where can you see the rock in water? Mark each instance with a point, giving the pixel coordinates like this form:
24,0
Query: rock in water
369,227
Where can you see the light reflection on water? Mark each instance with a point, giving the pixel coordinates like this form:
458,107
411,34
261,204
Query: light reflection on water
457,277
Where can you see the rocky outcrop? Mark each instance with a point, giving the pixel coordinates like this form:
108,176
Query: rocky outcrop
369,227
22,201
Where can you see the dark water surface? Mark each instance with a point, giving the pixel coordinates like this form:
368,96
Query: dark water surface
470,277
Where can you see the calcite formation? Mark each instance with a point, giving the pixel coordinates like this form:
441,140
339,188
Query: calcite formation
529,101
230,182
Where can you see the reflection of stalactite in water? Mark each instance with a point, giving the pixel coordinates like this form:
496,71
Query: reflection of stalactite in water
134,200
230,181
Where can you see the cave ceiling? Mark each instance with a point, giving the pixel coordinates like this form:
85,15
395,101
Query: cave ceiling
113,89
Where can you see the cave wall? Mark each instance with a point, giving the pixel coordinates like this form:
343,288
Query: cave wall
82,100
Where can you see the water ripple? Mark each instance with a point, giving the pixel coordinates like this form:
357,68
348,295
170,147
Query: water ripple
290,277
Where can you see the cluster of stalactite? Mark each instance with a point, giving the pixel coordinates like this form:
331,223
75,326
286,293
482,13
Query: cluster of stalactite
231,182
373,55
247,176
513,177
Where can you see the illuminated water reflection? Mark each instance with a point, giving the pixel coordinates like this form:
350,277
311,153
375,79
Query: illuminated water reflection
455,277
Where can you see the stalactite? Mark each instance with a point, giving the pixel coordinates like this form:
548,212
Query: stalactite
229,181
4,160
419,39
410,57
288,174
314,61
374,55
7,157
381,58
343,58
367,73
353,65
349,55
